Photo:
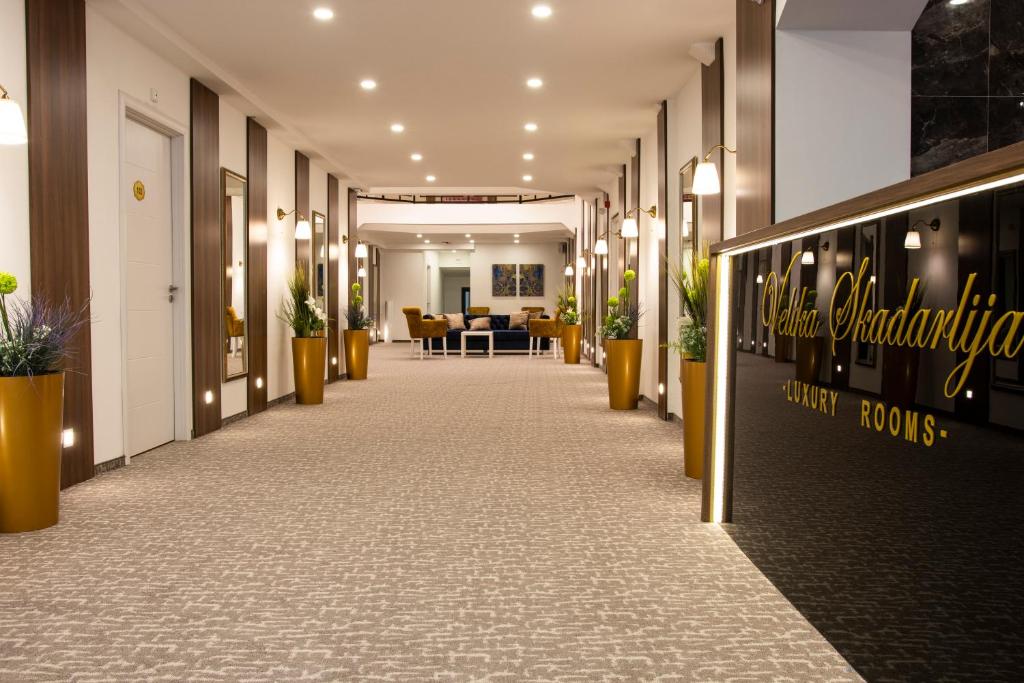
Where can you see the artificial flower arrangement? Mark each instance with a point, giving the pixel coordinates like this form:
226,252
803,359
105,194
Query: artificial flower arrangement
300,310
569,308
36,335
622,316
356,314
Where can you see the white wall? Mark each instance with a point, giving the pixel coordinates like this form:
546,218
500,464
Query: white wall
280,264
401,287
116,64
649,257
14,235
842,116
486,255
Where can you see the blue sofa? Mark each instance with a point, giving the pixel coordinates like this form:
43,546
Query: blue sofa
504,338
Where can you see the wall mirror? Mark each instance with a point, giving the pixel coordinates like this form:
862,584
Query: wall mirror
866,246
318,282
688,231
234,241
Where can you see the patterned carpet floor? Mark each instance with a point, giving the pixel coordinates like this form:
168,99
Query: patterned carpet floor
446,520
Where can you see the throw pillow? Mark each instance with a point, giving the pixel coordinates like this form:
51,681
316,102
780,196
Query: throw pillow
480,323
455,321
518,321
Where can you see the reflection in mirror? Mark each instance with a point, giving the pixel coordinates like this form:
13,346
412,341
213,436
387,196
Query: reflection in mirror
688,213
867,248
320,254
233,246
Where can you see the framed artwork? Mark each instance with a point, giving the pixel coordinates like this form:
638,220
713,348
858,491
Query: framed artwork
531,279
503,279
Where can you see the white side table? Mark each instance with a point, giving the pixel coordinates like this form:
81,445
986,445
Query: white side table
479,333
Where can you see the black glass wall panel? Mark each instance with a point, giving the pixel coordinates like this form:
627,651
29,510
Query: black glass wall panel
878,462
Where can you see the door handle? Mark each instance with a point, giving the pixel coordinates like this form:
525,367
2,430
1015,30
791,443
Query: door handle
171,289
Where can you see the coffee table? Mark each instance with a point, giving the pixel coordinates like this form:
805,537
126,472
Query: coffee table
479,333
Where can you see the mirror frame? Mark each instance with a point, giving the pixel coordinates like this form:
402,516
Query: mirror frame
693,240
313,280
225,378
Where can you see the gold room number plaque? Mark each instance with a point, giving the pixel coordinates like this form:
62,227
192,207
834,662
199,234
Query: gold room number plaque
139,190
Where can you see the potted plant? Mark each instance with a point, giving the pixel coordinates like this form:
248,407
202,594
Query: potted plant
357,336
34,339
309,347
692,287
572,335
809,350
622,355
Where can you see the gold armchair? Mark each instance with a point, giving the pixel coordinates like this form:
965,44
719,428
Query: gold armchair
478,310
422,330
234,328
545,328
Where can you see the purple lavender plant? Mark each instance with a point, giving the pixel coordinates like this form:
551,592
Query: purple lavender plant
35,336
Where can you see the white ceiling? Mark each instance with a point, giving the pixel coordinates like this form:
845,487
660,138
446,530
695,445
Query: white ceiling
452,71
844,15
392,236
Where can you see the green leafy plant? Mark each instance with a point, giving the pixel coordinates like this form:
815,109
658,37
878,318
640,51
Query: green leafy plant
299,310
622,315
691,283
35,336
356,314
570,313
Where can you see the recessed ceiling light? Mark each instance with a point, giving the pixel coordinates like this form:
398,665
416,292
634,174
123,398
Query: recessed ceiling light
516,235
528,156
323,13
959,2
472,241
368,84
453,251
468,235
416,156
541,11
426,241
530,127
534,82
419,235
515,241
527,178
431,178
397,128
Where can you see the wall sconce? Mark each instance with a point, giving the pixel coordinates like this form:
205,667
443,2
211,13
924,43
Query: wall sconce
569,272
581,260
361,272
601,246
12,121
303,230
705,178
913,238
807,258
760,279
361,251
630,229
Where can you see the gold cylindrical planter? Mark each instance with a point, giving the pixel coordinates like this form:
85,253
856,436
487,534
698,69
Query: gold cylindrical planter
309,360
571,340
693,375
357,353
31,430
623,362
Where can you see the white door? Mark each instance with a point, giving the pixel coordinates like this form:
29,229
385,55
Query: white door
149,361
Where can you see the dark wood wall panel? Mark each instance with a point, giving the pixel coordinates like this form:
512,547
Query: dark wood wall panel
975,225
207,276
620,251
335,305
256,299
632,246
59,198
755,115
712,89
604,262
353,263
303,248
662,260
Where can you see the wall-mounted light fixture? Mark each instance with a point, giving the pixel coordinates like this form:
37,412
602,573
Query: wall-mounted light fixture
807,258
208,397
12,121
630,229
601,246
68,438
569,272
913,238
705,178
259,382
581,260
303,230
361,272
760,279
361,250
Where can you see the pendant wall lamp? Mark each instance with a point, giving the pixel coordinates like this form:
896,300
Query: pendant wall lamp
705,178
303,230
12,121
569,272
913,238
629,230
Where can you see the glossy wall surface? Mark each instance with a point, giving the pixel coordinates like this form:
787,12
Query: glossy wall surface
879,488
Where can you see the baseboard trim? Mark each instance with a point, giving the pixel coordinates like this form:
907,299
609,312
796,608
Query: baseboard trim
234,418
287,398
108,466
